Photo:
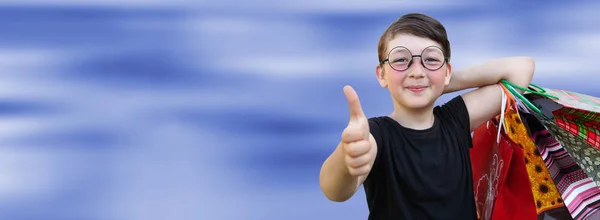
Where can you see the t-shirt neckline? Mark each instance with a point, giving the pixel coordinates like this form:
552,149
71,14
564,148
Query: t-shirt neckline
436,122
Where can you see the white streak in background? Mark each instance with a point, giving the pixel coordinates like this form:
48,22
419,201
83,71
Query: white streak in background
482,34
176,172
27,175
236,30
318,65
262,46
237,25
346,6
240,36
568,58
17,126
311,6
572,15
21,61
102,3
581,44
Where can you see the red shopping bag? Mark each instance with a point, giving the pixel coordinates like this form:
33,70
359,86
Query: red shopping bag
500,178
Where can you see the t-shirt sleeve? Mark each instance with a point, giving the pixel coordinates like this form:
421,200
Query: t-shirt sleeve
455,111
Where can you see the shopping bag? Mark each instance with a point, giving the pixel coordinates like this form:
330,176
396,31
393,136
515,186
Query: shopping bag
545,193
493,161
577,113
579,193
489,163
587,157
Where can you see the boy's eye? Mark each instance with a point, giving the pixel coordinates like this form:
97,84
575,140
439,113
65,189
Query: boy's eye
401,60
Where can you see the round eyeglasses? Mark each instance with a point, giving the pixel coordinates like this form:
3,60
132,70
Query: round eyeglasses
400,58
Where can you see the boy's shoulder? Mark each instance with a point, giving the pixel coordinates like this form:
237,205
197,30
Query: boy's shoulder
454,109
454,102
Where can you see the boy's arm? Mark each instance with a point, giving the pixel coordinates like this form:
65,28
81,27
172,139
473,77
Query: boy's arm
351,162
336,181
485,102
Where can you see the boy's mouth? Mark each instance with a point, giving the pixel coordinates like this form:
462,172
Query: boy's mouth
416,88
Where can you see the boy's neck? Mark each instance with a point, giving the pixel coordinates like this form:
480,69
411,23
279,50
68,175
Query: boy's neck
418,119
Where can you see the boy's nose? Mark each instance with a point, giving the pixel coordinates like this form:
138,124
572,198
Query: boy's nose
416,71
417,74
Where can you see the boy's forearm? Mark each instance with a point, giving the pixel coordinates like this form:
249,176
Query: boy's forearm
336,182
517,70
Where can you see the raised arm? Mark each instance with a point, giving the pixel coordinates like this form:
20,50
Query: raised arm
484,103
351,162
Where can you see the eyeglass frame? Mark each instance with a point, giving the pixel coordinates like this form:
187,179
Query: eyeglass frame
410,63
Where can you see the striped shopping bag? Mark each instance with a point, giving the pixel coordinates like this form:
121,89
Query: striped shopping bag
579,192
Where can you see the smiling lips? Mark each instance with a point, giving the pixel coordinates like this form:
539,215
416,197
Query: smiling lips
417,88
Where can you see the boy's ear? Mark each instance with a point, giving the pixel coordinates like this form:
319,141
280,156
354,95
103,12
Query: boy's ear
380,72
448,74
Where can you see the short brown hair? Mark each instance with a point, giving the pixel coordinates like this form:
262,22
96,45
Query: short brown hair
416,24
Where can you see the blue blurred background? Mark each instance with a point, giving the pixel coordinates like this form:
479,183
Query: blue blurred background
224,109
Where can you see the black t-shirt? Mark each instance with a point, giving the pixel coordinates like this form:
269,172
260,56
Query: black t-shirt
422,174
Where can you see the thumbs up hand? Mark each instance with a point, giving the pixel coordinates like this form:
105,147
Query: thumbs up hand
356,138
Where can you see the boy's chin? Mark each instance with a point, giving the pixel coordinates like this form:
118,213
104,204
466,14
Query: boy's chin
417,103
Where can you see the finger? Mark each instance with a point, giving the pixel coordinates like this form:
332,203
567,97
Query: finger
363,124
353,133
364,170
357,162
353,103
356,149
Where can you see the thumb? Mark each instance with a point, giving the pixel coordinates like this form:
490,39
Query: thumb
353,103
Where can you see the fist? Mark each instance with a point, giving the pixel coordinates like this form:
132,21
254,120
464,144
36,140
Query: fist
356,138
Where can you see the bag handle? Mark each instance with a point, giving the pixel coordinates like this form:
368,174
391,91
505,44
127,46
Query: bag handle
510,87
541,92
515,93
508,102
511,102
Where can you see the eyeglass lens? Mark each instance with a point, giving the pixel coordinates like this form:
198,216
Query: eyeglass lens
432,58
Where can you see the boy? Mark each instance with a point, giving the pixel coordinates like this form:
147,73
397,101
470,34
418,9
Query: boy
415,163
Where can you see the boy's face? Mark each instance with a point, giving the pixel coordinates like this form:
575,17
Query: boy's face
416,87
